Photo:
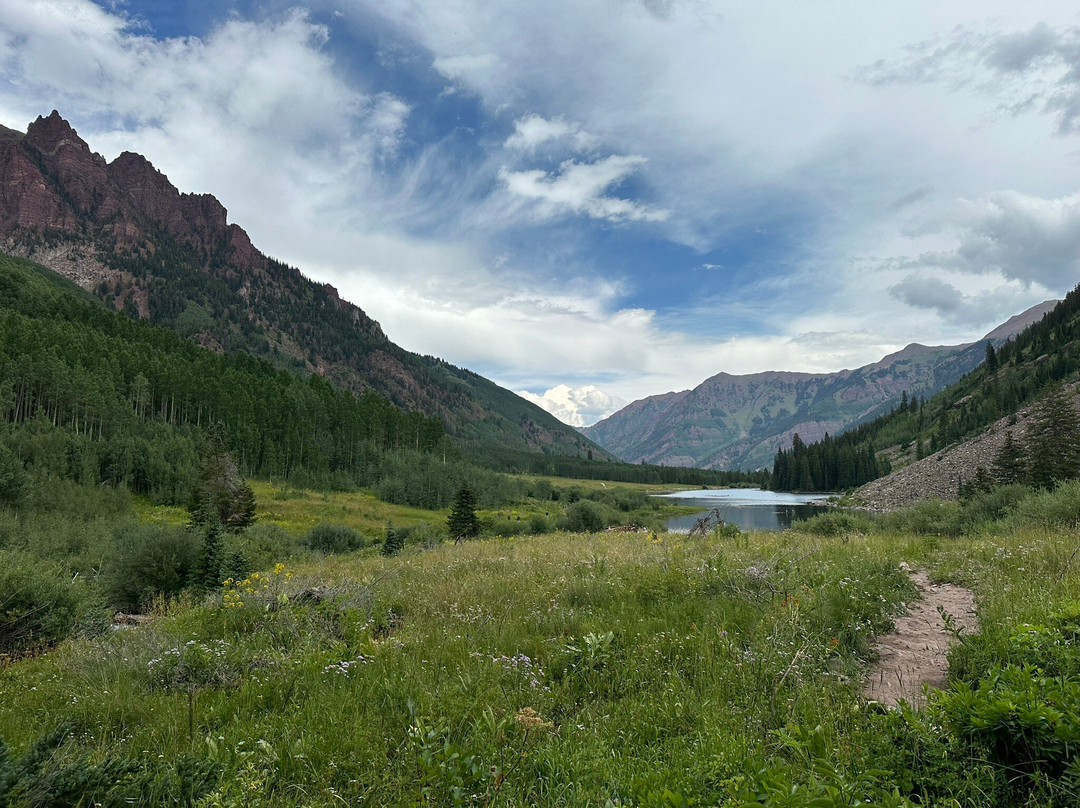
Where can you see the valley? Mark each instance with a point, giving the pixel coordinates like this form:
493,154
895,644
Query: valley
252,553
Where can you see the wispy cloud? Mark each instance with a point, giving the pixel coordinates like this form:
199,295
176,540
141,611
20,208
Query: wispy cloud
1037,69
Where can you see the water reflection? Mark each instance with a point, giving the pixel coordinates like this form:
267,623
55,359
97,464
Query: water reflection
749,508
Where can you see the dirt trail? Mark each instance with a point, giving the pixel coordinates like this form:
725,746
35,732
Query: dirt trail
914,653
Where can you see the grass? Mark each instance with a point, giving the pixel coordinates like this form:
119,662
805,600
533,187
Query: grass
558,670
565,670
296,510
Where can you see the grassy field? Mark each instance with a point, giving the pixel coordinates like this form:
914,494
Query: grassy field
556,670
298,510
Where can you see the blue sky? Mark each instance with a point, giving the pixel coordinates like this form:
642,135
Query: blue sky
591,201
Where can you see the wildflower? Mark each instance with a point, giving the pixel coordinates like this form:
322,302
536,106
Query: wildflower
528,719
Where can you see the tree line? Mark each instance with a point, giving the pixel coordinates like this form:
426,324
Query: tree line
90,394
1011,377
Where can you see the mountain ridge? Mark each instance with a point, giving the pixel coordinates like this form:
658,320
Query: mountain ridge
124,231
739,421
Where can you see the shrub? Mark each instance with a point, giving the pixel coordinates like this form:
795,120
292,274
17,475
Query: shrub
584,516
38,607
329,539
507,527
265,543
13,479
423,533
931,518
538,523
982,509
1057,508
38,779
836,523
393,541
149,560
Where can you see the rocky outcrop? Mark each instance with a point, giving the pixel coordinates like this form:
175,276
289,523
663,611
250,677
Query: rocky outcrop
123,230
51,182
939,475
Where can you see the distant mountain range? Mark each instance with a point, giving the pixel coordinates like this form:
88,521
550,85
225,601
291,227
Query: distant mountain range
739,422
123,231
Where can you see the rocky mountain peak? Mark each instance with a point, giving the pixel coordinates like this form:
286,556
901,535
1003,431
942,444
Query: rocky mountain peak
50,134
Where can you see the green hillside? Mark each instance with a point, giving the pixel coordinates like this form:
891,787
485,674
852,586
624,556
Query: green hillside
1013,376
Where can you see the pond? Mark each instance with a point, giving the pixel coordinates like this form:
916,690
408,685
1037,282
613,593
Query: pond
749,508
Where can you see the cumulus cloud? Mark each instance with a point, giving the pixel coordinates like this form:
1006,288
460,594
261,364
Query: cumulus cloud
577,406
1024,238
532,131
253,111
581,188
1035,69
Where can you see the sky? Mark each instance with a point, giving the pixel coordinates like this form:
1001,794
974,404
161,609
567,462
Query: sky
593,201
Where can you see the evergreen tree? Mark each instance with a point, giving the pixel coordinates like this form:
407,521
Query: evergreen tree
1053,440
211,560
1010,464
393,541
991,361
462,522
221,497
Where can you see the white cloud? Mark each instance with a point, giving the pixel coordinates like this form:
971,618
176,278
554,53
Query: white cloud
253,111
532,131
1037,69
580,188
746,120
1023,238
577,406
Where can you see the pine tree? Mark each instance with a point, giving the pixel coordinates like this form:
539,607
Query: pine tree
1010,465
462,522
393,541
211,561
1053,440
221,497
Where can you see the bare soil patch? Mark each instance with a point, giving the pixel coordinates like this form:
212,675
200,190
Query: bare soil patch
914,653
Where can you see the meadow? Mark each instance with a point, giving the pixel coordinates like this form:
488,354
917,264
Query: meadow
568,669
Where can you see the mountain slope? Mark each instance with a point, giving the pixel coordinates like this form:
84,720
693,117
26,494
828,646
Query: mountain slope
739,421
124,231
937,445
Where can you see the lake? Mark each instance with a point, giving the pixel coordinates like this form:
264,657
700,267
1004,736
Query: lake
749,508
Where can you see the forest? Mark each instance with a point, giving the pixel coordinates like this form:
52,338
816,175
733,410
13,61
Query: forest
1014,376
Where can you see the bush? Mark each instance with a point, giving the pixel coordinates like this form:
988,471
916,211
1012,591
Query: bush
584,516
329,539
931,518
149,560
982,509
265,543
393,541
423,533
13,479
538,523
835,523
38,607
1057,508
508,527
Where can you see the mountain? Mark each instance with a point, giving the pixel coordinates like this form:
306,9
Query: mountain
739,421
122,230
